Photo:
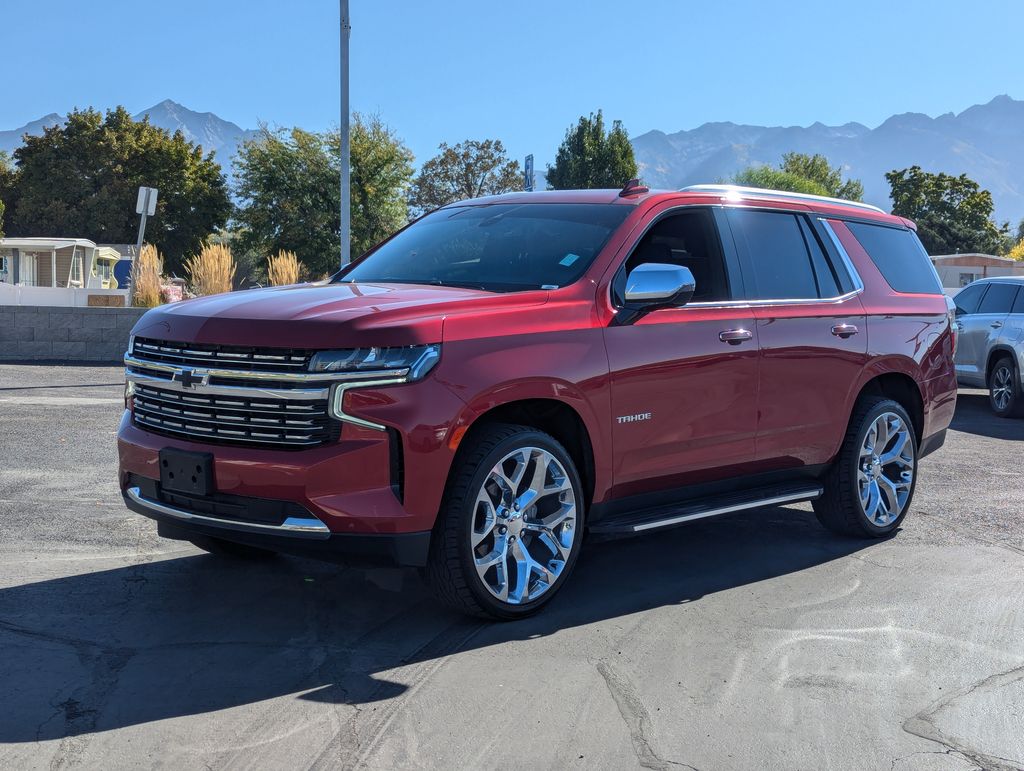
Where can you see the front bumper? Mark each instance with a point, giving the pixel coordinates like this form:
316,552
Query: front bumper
275,525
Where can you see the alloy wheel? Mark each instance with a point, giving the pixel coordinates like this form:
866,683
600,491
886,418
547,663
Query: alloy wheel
885,470
1002,387
524,525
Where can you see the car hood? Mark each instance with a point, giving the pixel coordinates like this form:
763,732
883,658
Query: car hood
323,315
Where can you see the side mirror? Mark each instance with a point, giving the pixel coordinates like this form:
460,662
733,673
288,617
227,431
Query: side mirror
655,285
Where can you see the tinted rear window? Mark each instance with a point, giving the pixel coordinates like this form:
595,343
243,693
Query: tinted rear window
1018,306
968,298
998,299
776,252
899,256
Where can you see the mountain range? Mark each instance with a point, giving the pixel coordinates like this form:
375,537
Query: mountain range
985,141
203,128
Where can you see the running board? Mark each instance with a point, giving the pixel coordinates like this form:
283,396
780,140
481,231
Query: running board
678,513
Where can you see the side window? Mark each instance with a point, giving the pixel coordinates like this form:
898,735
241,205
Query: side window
899,256
1018,305
824,272
998,299
689,239
967,300
776,252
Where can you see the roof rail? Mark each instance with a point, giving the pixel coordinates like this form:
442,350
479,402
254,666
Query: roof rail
757,192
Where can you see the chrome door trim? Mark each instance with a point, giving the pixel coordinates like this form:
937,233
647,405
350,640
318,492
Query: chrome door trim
307,527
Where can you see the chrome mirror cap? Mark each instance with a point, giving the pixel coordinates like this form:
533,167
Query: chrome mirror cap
655,283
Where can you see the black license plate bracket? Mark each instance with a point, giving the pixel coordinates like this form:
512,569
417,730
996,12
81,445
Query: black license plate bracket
187,472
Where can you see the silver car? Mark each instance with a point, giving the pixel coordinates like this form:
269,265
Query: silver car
990,351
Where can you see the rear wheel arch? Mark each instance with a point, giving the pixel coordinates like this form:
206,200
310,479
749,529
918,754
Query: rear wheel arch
997,353
901,388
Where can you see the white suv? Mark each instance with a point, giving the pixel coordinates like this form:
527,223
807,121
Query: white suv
990,351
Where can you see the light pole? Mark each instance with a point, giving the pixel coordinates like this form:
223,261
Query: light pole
346,184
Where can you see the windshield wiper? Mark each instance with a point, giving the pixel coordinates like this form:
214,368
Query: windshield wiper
426,281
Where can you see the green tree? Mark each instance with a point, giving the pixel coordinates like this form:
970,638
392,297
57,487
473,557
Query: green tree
953,214
590,157
81,179
816,168
287,182
469,169
6,183
801,173
775,179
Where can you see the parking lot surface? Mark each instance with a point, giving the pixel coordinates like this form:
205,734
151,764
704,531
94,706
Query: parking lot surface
757,640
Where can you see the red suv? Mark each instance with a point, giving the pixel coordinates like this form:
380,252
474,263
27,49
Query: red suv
506,374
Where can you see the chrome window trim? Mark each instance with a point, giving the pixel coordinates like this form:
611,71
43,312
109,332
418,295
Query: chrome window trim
308,527
858,283
291,377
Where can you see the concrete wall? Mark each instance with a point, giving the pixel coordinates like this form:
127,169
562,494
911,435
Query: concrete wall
39,333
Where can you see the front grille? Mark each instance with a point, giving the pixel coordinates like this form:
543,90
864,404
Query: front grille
235,357
220,418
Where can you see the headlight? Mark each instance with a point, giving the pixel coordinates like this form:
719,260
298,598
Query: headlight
374,367
411,361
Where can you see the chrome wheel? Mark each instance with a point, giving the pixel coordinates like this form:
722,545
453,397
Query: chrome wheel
1002,387
885,471
523,526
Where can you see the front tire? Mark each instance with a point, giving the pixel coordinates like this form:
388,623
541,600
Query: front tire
869,489
1004,390
510,527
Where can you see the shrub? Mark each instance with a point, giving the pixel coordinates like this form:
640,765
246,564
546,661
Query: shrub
212,271
1017,252
146,272
284,268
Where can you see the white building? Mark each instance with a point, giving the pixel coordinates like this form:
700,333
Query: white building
33,271
959,270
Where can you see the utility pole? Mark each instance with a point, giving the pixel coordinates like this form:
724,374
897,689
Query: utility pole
346,182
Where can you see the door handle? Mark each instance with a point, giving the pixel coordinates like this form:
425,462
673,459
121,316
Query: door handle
735,336
996,324
845,330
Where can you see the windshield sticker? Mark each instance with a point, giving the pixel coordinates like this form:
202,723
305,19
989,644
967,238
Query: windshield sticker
569,259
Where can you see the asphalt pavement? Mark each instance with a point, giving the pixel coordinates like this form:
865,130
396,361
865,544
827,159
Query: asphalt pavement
751,641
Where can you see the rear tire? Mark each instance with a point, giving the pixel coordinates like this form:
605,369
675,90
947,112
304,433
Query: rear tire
870,487
510,527
1004,395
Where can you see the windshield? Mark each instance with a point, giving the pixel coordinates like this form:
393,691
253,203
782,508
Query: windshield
497,247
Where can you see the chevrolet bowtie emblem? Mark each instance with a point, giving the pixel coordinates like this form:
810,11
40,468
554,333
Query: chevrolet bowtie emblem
189,379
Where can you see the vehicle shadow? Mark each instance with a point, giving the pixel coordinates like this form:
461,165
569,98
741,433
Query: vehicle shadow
974,416
194,634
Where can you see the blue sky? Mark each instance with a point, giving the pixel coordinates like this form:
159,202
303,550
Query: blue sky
519,71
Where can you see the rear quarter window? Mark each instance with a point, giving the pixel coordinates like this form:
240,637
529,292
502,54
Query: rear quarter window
899,256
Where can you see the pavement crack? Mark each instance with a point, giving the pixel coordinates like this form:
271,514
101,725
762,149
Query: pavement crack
637,719
924,724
